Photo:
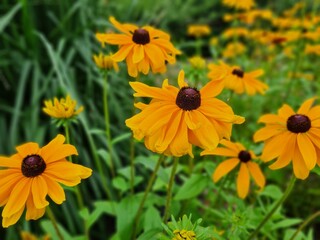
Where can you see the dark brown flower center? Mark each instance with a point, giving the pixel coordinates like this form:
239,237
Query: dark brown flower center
244,156
298,123
279,40
33,165
141,36
238,72
188,98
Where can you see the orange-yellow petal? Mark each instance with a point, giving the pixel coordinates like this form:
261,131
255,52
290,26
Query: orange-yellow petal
299,166
28,149
256,173
39,191
55,191
12,219
224,168
33,212
307,150
243,181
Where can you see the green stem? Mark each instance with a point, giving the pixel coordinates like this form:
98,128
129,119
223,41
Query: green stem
146,192
66,130
305,223
276,206
169,193
54,222
132,151
107,122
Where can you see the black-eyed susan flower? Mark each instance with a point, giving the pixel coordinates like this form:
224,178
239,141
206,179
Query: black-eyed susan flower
292,137
236,79
239,4
62,109
237,155
31,174
105,62
198,30
312,49
176,118
142,48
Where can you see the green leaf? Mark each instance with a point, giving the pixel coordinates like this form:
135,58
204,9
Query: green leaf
272,191
120,183
152,219
192,187
120,138
6,19
150,234
286,223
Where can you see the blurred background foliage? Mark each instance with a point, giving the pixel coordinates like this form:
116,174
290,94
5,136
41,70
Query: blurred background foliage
46,49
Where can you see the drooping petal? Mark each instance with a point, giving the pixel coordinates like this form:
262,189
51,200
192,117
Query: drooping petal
299,166
33,212
55,191
143,90
155,55
12,219
220,152
272,119
224,168
39,191
307,150
18,197
257,174
122,53
8,180
268,132
125,28
274,146
138,53
243,181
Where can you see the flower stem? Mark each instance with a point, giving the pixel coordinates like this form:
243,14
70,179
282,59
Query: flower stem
66,130
281,200
169,192
146,192
107,121
54,222
305,223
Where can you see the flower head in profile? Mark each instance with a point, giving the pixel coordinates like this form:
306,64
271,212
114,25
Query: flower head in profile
64,108
177,118
239,4
105,62
233,49
236,79
292,137
31,174
198,30
237,154
142,48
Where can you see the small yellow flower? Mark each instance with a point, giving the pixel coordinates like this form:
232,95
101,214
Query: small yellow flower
65,108
213,41
239,4
237,155
199,30
105,62
197,62
184,235
29,236
239,32
233,49
312,49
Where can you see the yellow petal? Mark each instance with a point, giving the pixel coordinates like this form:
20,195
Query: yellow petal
39,192
256,173
33,212
220,152
8,180
181,81
122,53
18,197
28,149
224,168
299,166
11,162
132,67
274,146
125,28
212,89
243,181
286,155
12,219
307,150
272,119
55,191
305,107
285,111
268,132
138,53
155,55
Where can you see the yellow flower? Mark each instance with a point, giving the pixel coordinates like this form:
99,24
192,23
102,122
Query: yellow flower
236,79
29,236
312,49
176,118
105,62
239,4
292,137
65,108
184,235
197,62
31,174
142,48
198,30
239,31
238,155
233,49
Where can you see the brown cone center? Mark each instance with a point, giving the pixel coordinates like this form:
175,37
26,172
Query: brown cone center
238,72
33,165
188,99
244,156
298,123
141,36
